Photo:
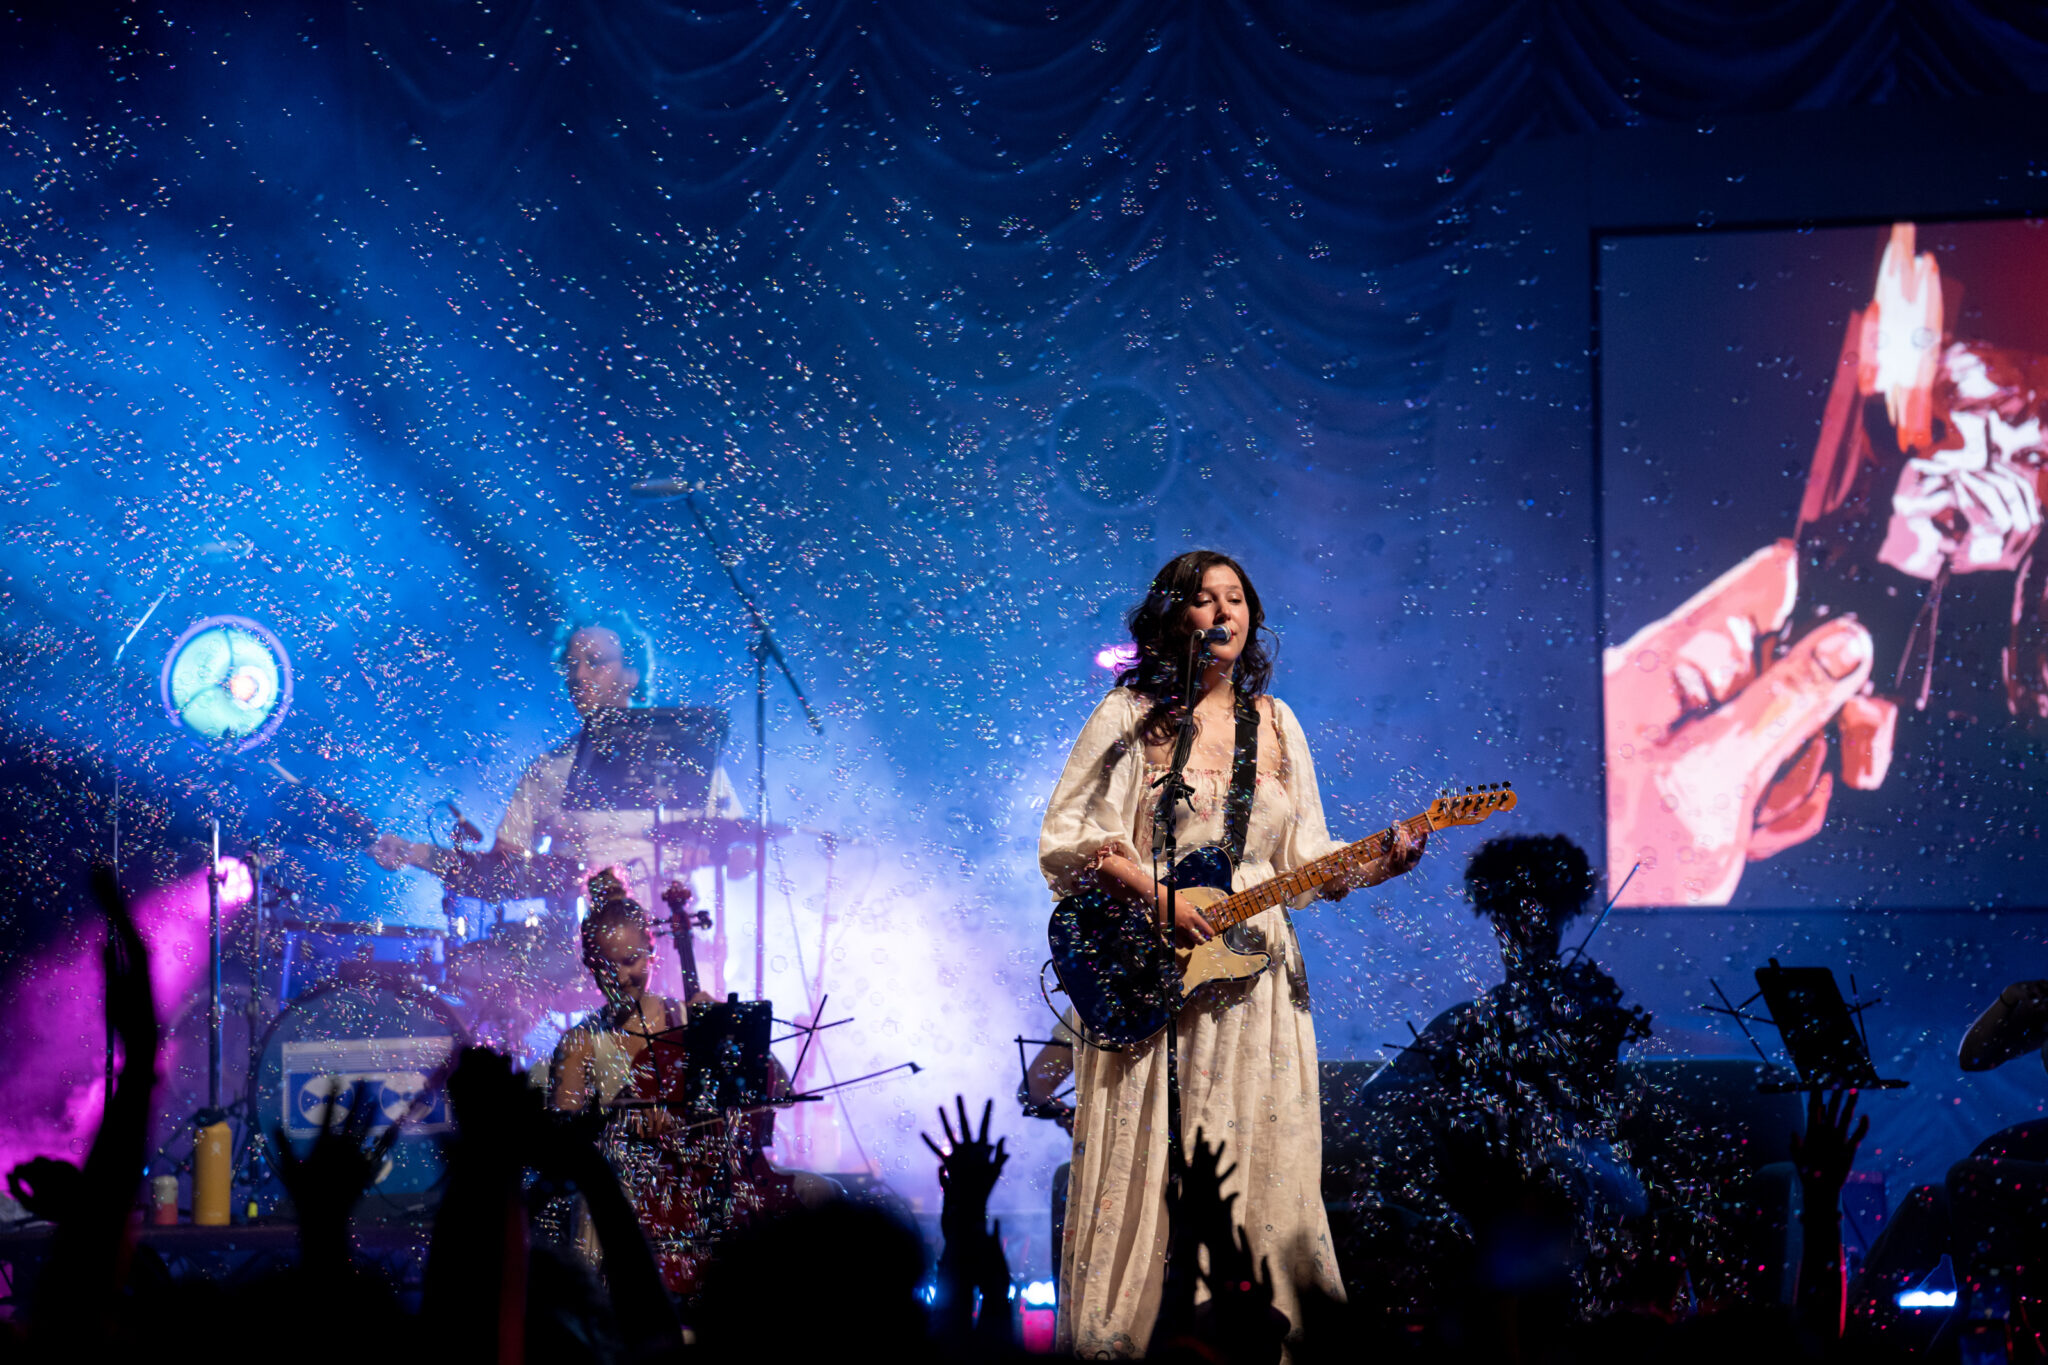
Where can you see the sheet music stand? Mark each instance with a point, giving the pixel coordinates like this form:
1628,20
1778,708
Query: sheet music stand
1822,1032
647,758
714,1062
728,1055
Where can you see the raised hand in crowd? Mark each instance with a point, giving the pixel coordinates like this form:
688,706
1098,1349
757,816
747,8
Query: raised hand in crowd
1823,1158
563,1149
1197,1213
475,1278
476,1269
1239,1321
1205,1209
1242,1322
328,1182
969,1166
1826,1153
968,1169
131,999
48,1187
88,1255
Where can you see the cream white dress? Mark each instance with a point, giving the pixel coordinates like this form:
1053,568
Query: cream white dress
1247,1051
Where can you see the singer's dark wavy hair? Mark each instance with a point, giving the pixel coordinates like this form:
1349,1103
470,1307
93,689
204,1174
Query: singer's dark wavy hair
1159,629
636,648
1532,883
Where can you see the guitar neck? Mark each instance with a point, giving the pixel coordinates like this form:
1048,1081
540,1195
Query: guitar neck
1311,876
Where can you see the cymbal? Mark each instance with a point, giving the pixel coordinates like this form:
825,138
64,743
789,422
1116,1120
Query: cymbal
362,927
717,830
2016,1022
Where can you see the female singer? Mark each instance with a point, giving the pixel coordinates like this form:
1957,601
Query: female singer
1247,1052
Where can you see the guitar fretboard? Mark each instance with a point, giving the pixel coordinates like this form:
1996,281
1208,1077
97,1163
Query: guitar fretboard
1309,876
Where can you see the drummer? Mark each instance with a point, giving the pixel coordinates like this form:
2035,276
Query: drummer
607,662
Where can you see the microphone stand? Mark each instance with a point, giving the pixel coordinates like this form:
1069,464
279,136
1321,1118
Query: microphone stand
1173,789
213,973
763,650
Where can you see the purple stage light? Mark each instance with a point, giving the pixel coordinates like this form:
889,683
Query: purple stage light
1115,658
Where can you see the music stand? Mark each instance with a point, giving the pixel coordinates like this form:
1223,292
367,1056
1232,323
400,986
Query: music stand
728,1064
1822,1032
647,758
651,758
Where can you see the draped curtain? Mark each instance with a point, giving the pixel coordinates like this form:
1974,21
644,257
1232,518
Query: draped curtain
1263,210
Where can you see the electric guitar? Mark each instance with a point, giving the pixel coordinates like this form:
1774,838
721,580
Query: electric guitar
1125,977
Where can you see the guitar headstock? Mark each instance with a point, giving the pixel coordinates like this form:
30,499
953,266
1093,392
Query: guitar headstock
1476,804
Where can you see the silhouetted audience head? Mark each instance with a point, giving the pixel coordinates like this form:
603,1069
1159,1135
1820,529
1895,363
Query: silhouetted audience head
1530,886
817,1283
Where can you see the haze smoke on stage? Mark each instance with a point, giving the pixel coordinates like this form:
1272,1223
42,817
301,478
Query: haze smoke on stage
55,1031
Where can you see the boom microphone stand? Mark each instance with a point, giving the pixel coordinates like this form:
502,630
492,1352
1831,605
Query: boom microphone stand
763,650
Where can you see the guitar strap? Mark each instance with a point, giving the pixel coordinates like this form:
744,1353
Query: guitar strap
1244,774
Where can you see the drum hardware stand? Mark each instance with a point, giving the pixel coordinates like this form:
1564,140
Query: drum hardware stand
245,1169
1051,1108
762,651
213,982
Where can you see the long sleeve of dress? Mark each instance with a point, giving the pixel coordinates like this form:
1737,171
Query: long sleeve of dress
1095,805
1307,836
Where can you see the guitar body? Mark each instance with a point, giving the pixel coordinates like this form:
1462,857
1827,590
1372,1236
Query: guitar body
1125,979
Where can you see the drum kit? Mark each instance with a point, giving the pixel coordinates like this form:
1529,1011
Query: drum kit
330,999
340,1005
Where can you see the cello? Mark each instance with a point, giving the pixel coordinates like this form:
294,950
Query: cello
694,1177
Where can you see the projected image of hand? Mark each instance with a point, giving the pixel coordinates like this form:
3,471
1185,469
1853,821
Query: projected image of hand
1716,755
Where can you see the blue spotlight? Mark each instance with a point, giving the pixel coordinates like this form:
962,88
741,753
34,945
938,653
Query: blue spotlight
228,680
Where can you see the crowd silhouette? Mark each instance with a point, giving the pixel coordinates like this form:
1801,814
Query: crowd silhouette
1555,1248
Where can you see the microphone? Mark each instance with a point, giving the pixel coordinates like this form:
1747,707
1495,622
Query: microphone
657,489
1215,635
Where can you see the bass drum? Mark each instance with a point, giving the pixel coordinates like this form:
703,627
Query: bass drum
397,1037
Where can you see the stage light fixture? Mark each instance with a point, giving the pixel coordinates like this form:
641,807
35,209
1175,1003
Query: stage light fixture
228,681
